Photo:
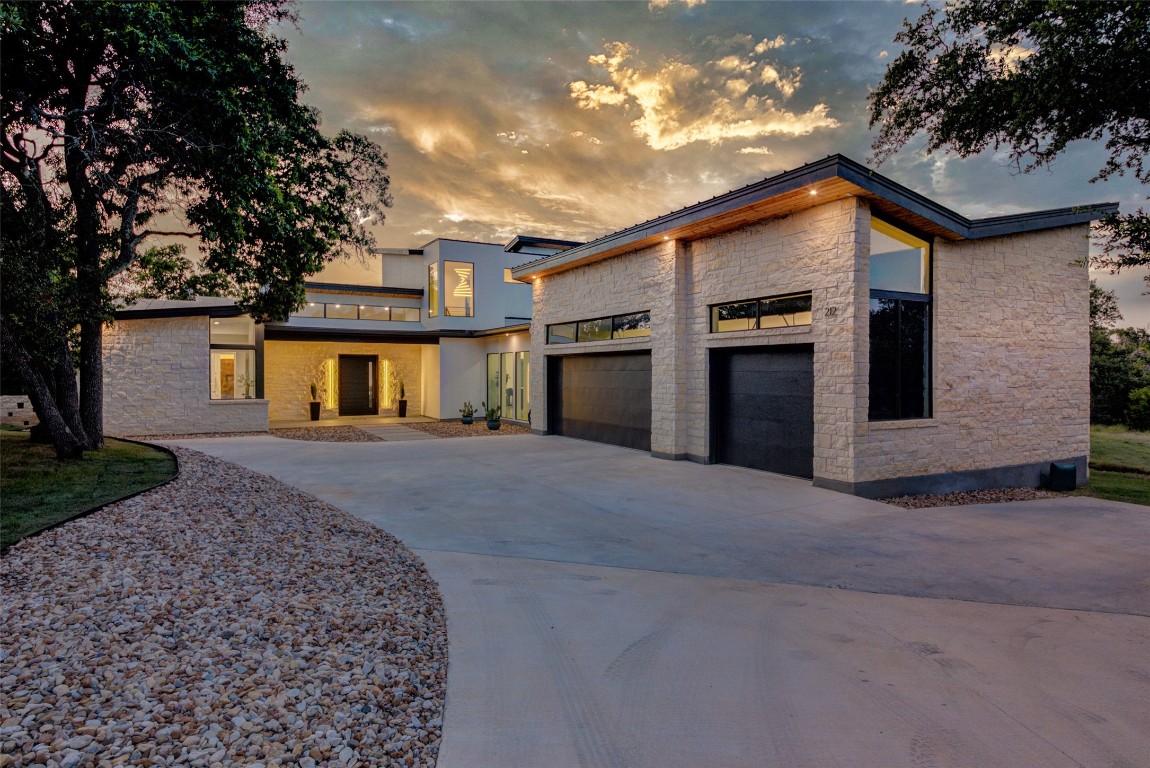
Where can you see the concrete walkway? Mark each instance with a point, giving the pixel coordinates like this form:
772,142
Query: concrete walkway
610,609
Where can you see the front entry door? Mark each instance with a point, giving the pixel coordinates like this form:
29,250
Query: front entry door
357,385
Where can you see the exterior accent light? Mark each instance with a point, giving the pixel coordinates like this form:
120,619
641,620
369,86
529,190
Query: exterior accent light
814,192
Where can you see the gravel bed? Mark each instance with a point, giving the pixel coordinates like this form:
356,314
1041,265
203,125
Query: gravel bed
224,619
327,434
459,429
986,496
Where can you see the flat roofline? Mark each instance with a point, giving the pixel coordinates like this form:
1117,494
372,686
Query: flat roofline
456,240
526,241
367,290
860,181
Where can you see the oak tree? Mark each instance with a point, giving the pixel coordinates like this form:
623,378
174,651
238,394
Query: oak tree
1030,77
129,125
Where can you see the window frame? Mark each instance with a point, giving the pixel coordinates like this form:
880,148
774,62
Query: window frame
447,310
612,322
758,302
226,347
927,300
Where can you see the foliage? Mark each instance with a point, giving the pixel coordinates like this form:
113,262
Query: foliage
37,491
492,413
1138,409
128,124
1030,77
467,410
314,388
1103,307
1119,364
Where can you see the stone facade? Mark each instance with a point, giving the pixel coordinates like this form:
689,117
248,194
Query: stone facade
157,381
16,410
1011,377
1010,360
291,366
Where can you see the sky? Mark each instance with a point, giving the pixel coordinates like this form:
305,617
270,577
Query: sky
576,119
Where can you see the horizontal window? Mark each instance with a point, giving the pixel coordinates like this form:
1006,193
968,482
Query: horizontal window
601,328
342,311
770,312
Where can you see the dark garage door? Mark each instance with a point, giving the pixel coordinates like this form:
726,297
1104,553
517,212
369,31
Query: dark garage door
605,398
357,385
763,408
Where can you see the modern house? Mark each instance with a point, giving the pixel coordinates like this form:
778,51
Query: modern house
825,323
447,321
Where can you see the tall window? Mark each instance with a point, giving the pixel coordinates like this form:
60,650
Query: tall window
433,290
900,324
508,384
458,289
233,358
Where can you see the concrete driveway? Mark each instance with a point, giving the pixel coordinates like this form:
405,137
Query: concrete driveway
609,609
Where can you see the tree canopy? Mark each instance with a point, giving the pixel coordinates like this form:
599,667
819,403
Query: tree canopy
1031,77
129,124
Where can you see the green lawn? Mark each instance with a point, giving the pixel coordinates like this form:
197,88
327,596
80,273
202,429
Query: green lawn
1119,465
37,490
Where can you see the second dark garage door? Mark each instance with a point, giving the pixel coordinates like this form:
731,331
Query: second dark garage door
605,398
763,408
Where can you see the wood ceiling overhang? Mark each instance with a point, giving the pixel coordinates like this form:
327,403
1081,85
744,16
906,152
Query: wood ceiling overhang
828,180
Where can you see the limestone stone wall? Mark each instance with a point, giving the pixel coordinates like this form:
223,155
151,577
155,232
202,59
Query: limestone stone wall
290,367
1011,350
1011,361
156,381
816,250
630,283
17,411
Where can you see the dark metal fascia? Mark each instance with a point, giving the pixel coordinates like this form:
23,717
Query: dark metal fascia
527,240
1018,223
162,312
366,290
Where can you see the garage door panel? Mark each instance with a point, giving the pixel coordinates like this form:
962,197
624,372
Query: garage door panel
605,398
763,408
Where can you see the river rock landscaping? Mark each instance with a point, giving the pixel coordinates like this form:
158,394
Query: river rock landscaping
224,619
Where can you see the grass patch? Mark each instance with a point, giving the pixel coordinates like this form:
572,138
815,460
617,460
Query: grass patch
37,490
1119,465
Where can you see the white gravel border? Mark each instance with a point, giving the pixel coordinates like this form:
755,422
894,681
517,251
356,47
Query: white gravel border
224,619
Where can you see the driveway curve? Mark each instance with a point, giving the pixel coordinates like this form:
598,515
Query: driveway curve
610,609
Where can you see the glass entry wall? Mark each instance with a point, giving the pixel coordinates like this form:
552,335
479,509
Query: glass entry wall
508,384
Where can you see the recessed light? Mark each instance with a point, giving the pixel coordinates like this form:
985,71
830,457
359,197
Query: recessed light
814,192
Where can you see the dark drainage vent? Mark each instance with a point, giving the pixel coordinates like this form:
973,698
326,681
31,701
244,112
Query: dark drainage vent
1063,477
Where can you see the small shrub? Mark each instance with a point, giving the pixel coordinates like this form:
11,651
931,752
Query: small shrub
1138,409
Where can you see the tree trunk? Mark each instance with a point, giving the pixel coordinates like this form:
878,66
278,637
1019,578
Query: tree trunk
67,398
66,444
92,381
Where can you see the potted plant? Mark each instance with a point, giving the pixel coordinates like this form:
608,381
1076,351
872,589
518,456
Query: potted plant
492,414
467,412
247,382
401,403
314,404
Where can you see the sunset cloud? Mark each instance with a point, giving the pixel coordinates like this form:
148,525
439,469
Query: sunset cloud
681,103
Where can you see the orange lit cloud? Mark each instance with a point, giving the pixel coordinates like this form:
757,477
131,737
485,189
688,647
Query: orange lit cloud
679,103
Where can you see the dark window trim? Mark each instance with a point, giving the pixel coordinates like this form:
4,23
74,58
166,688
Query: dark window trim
922,298
611,318
902,296
357,305
758,311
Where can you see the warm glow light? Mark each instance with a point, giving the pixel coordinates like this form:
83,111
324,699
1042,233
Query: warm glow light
337,306
329,383
814,192
666,238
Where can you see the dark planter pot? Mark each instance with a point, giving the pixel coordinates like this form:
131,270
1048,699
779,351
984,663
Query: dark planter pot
402,407
493,423
314,406
467,419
